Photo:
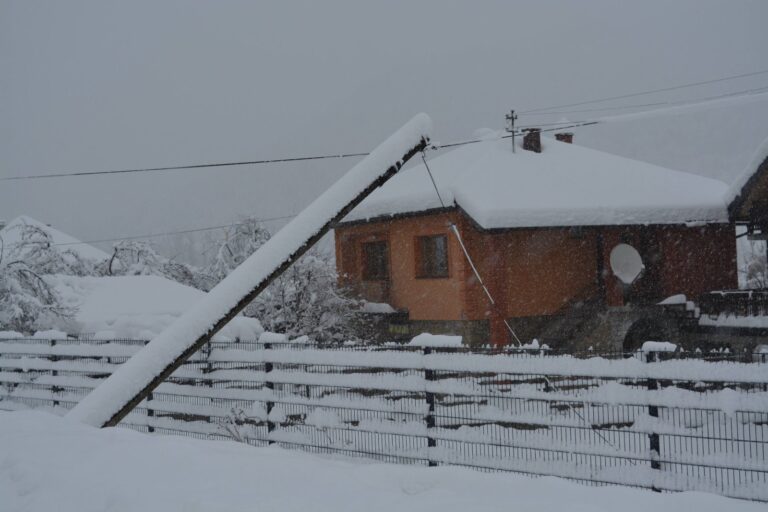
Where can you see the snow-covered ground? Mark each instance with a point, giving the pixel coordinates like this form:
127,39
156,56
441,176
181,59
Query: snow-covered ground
52,463
139,307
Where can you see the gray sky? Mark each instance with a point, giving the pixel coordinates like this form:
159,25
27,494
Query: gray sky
104,85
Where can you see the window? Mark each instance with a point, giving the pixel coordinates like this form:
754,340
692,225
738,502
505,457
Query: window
375,261
432,256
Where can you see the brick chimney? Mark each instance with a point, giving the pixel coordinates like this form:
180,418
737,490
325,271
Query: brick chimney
566,137
532,140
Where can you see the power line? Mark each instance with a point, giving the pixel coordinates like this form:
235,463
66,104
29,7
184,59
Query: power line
440,146
284,217
652,91
179,232
564,125
598,109
560,126
180,167
743,92
268,219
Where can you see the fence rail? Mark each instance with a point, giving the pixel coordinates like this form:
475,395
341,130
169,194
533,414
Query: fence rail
683,424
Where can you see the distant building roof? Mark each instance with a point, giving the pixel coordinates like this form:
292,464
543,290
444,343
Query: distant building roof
11,236
564,185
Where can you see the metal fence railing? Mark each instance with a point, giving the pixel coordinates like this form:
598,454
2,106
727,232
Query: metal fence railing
735,303
660,421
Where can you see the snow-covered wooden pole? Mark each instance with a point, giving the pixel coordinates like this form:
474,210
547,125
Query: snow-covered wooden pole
114,398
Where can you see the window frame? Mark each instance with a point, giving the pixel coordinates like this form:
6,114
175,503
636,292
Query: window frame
365,266
421,267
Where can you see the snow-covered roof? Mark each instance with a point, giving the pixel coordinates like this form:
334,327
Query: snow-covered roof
741,185
565,185
11,235
720,140
138,307
726,139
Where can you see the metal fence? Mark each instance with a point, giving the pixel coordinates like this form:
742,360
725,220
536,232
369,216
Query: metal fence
642,419
735,303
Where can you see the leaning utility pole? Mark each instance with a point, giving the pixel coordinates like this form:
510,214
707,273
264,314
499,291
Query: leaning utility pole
121,392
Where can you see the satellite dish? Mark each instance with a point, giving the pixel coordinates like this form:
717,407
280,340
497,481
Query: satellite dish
626,263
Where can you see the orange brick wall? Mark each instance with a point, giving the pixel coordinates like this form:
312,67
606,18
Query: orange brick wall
528,272
425,299
531,272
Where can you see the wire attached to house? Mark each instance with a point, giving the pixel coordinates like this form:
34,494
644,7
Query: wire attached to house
479,278
432,179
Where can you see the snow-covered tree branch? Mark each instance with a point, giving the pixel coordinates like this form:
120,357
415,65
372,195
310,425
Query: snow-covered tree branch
134,258
305,300
27,301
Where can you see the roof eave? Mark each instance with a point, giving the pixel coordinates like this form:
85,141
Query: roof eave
479,227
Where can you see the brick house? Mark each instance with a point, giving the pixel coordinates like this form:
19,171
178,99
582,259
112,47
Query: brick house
540,225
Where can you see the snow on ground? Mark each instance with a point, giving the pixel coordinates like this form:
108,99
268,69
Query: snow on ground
564,185
52,463
11,236
138,307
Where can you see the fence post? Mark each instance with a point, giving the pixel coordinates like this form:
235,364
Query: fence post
270,386
150,412
208,350
55,389
429,376
653,411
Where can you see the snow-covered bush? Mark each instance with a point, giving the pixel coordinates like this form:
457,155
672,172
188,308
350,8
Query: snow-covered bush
35,248
27,301
134,258
238,242
305,300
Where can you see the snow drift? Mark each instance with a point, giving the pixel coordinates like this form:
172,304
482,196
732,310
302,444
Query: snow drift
136,307
50,463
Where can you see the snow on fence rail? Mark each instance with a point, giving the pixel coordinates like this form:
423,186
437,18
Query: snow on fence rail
668,425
